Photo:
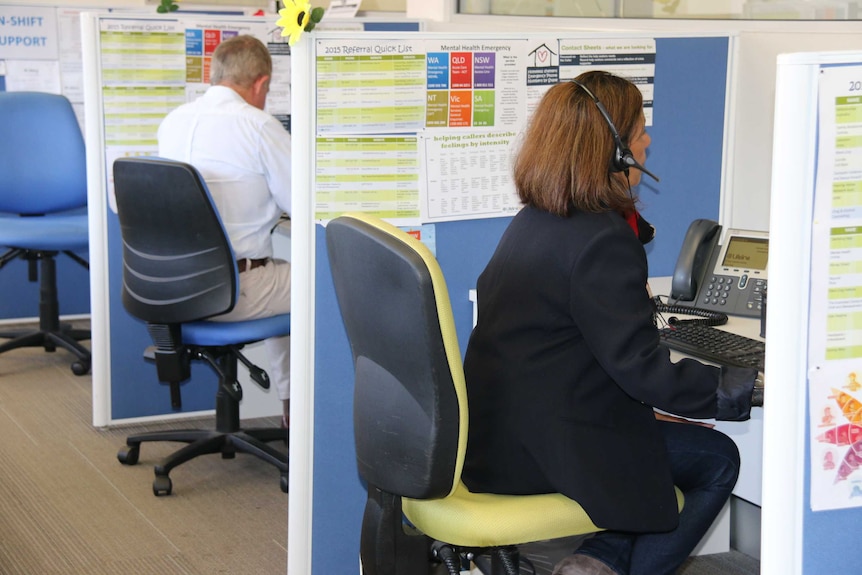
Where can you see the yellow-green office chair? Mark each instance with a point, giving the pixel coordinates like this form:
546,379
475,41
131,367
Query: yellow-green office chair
410,415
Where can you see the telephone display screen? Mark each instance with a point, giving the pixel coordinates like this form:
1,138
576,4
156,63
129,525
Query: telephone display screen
748,253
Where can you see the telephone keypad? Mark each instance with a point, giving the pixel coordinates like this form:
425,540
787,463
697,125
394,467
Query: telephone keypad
720,291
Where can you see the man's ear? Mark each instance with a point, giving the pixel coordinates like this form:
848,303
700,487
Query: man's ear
261,84
256,93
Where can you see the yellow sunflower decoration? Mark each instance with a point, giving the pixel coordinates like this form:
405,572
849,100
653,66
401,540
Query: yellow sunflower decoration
298,17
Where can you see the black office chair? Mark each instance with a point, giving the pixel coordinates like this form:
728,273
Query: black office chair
410,417
178,270
43,200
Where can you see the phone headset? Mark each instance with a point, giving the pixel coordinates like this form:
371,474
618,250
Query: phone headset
623,159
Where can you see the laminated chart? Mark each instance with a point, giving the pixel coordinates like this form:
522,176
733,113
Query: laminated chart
143,78
378,175
367,86
150,67
630,58
465,101
367,92
476,96
468,175
370,87
835,328
476,85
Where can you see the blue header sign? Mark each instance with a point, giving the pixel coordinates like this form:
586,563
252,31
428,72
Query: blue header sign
28,33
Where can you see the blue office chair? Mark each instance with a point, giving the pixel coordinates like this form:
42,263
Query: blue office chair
178,270
43,201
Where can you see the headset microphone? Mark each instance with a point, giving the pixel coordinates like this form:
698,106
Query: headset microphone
630,161
623,158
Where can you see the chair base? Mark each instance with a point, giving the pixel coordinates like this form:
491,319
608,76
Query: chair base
64,337
51,334
227,439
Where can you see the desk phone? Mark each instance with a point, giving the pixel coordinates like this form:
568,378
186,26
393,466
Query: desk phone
721,271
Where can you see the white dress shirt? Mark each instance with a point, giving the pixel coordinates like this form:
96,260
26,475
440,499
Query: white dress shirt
243,154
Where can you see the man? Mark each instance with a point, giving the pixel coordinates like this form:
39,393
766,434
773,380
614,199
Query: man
243,154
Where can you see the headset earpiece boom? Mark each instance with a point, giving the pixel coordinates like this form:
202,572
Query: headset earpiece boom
623,159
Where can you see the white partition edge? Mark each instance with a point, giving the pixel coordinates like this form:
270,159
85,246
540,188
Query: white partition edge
725,206
96,209
793,173
302,305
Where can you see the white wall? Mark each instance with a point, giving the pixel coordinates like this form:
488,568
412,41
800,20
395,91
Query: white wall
87,3
754,104
367,5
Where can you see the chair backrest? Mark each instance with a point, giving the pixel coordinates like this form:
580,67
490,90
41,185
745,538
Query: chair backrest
410,400
43,166
178,264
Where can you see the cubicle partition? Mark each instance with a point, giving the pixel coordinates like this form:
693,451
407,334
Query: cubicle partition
136,68
686,109
812,485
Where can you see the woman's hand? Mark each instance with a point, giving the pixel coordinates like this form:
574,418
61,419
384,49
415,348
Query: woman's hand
758,392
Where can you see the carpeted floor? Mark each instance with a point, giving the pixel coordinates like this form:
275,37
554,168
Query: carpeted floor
67,506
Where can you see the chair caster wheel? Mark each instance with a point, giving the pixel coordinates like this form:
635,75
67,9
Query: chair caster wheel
162,485
283,482
128,454
80,368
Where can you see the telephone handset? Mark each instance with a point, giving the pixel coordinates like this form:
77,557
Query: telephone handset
699,243
721,272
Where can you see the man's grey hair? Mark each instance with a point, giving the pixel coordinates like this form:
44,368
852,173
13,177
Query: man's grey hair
240,60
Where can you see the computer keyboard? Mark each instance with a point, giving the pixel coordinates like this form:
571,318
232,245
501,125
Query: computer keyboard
714,345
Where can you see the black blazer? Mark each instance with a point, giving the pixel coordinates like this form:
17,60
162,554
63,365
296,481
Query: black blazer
564,368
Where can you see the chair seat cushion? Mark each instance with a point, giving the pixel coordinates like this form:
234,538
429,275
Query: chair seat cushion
45,233
215,333
487,520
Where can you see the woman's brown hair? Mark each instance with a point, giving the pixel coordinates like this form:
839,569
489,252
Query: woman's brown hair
564,162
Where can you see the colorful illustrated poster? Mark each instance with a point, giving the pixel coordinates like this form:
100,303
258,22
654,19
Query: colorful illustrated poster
835,337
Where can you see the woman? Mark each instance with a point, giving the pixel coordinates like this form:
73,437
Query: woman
564,366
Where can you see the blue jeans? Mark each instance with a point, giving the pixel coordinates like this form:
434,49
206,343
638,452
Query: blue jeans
705,466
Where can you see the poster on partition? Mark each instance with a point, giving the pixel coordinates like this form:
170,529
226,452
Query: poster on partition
150,67
835,328
423,130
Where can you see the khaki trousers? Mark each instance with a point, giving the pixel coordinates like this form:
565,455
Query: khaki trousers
264,292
